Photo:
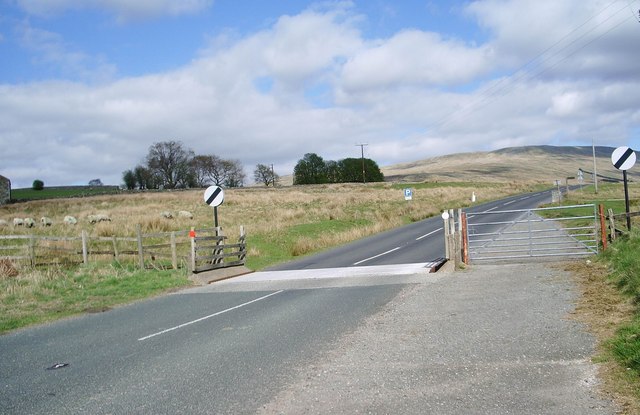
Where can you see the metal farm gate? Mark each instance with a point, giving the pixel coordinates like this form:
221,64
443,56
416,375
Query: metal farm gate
543,232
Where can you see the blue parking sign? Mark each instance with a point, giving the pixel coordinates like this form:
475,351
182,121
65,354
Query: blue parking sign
408,194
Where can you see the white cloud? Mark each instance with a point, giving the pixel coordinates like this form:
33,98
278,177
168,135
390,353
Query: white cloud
568,39
123,9
50,49
413,95
415,58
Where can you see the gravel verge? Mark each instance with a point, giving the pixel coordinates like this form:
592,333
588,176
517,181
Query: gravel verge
489,339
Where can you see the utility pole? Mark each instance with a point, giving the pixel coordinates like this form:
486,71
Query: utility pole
362,152
273,176
595,173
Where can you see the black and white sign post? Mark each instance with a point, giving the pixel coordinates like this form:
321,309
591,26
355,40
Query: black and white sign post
214,196
623,158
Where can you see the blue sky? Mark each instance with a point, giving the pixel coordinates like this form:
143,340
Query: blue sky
91,84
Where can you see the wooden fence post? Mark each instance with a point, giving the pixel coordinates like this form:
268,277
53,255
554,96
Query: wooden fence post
452,235
174,253
32,250
219,250
603,229
192,236
85,248
612,225
243,247
465,239
115,247
140,248
458,239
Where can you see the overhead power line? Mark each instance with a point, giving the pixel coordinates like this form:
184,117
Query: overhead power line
532,68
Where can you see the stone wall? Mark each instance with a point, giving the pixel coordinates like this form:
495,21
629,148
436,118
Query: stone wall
5,190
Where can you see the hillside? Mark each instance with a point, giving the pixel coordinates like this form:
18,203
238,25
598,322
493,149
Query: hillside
522,164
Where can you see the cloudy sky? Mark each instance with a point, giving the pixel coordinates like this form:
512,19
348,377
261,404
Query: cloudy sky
86,86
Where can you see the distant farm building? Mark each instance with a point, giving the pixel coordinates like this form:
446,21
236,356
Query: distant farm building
5,190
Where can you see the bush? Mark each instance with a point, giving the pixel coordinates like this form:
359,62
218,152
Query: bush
37,185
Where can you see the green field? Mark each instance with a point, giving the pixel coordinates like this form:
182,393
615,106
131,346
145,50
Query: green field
20,195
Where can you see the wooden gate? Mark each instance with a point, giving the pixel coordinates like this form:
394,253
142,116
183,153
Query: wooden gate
213,252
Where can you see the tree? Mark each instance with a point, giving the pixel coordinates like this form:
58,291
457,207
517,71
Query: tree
372,170
95,182
129,179
235,173
201,167
220,170
351,170
311,169
169,161
37,185
145,178
334,175
265,174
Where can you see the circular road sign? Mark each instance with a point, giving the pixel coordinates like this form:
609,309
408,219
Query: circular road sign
623,158
214,196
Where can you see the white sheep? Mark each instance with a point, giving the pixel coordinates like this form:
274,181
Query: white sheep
45,221
3,223
29,222
98,218
185,214
18,222
166,214
70,220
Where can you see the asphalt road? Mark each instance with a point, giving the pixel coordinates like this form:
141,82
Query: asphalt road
223,353
417,242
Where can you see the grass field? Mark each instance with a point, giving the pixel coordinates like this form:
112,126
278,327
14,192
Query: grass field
61,192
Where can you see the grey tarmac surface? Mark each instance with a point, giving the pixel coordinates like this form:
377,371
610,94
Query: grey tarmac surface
492,339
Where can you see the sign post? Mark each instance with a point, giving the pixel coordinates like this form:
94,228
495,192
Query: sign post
623,158
408,194
214,196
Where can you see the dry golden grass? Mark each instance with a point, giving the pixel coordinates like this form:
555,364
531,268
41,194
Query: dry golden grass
603,309
264,212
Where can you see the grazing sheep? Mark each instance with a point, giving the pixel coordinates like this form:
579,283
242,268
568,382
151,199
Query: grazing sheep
45,221
98,218
29,222
18,222
185,214
166,214
70,220
3,222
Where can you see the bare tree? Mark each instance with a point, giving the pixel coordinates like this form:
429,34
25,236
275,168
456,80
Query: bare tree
265,175
169,160
201,167
235,173
219,170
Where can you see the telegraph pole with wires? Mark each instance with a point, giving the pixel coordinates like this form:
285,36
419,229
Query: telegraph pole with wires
595,172
362,153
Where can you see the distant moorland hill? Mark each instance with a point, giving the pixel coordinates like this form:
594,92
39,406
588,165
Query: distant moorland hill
543,164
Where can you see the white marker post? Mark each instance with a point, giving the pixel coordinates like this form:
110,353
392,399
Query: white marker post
445,218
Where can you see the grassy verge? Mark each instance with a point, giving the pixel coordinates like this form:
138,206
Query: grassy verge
43,295
623,259
610,303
